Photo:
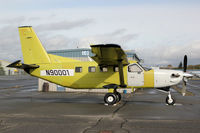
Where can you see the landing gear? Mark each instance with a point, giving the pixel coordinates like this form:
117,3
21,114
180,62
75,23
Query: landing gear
170,100
112,98
118,96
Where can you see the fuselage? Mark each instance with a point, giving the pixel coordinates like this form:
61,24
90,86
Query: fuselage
90,75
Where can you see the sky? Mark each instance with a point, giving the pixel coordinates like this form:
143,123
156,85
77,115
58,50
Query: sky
160,31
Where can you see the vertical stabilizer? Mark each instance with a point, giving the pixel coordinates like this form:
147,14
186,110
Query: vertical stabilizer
32,49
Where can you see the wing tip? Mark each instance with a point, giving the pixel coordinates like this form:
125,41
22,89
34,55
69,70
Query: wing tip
25,27
106,45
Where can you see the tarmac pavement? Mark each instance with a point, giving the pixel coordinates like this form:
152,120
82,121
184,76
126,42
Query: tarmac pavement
25,110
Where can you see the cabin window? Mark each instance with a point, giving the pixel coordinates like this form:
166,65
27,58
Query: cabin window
78,69
116,69
92,69
103,69
134,68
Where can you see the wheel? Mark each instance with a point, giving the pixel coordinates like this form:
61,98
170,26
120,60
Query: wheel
170,101
110,98
118,95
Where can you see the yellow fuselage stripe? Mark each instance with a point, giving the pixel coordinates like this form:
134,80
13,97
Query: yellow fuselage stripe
87,79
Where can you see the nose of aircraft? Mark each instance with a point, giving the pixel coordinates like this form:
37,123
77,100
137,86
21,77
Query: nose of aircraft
178,76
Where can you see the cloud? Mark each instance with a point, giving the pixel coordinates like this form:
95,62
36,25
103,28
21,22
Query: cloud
171,54
117,37
10,48
10,44
143,28
15,20
64,25
58,42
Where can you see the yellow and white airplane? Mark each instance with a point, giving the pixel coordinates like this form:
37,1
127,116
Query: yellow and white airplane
110,69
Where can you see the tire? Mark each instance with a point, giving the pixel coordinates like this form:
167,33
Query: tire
110,98
170,102
118,95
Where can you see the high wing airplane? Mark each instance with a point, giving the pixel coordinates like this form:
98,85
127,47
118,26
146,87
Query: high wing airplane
110,69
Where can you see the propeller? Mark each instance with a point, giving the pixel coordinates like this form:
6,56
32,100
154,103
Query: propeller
183,90
184,78
185,63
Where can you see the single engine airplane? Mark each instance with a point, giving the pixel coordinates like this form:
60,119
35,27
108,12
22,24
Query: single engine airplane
110,69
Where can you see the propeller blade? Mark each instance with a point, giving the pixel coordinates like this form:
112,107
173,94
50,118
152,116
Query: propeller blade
180,90
183,90
185,63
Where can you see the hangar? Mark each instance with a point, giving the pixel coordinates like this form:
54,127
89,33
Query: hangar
82,54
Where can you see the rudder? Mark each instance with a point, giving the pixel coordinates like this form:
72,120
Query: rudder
32,49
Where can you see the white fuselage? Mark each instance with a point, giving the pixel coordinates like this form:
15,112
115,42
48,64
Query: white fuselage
163,78
160,77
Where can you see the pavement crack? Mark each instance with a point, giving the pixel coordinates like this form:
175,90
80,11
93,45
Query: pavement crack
98,121
120,107
3,125
122,126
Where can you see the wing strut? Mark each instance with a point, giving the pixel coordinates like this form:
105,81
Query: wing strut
121,74
111,55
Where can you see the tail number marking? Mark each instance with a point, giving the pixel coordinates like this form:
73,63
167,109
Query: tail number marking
57,72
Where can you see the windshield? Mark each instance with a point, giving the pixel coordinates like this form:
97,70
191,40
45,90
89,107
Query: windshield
145,68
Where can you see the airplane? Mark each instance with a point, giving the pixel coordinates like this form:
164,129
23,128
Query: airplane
109,69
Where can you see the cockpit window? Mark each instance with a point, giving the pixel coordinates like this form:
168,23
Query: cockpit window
134,68
145,68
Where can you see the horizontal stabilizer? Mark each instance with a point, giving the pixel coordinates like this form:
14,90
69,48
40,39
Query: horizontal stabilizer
18,64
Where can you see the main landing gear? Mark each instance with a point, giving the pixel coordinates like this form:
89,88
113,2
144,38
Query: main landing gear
112,98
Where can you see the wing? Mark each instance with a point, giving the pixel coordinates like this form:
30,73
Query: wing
111,55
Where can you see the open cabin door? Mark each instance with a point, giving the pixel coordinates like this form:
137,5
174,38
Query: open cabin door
135,75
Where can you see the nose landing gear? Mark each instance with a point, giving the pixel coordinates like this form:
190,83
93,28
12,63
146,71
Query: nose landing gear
169,99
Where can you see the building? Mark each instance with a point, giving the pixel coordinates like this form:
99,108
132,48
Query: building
6,70
82,54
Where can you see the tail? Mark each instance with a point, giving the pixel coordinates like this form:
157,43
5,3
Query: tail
32,49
